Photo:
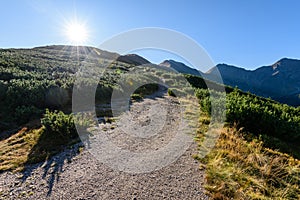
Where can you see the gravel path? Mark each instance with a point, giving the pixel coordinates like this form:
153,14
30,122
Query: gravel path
74,175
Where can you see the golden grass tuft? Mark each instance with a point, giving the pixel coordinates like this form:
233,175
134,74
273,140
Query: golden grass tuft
15,149
237,169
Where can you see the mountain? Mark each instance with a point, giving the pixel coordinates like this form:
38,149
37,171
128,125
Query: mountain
132,59
280,81
67,52
32,80
180,67
85,52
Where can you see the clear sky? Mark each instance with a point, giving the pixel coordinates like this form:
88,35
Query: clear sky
246,33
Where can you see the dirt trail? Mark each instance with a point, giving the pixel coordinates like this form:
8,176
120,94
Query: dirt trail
73,175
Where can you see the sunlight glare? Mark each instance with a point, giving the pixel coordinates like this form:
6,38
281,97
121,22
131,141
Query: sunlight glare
77,33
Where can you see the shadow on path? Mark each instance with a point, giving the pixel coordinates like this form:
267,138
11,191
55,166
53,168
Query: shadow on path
43,153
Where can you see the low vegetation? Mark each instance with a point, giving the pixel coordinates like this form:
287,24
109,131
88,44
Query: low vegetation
241,169
278,125
15,149
254,158
28,146
256,154
37,84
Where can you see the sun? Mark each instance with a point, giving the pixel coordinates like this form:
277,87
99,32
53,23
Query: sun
77,33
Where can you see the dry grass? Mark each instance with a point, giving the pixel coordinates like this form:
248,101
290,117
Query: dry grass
237,169
15,149
30,146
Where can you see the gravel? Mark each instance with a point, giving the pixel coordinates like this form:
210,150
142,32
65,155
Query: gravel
77,174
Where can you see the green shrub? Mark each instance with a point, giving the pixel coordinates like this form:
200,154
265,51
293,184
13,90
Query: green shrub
56,97
203,96
257,115
3,88
103,93
171,93
263,116
136,97
59,124
25,92
24,114
147,89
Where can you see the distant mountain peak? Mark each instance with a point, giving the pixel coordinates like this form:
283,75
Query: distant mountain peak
180,67
285,64
133,59
172,61
287,61
280,81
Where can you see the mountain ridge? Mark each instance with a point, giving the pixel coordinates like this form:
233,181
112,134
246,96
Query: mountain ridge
280,81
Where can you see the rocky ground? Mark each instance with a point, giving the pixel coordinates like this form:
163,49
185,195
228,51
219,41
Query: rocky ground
80,173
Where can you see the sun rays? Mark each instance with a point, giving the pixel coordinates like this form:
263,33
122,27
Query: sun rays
76,32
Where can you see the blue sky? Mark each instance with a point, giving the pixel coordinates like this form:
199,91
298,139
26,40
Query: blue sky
239,32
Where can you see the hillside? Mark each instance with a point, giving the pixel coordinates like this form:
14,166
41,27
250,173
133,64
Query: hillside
132,59
34,79
180,67
253,154
280,81
70,175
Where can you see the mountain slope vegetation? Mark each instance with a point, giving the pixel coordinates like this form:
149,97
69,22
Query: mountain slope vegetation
260,140
279,81
255,156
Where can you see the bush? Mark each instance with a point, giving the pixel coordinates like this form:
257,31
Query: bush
263,116
255,114
25,92
203,96
3,88
59,124
147,89
103,93
171,93
24,114
136,97
56,97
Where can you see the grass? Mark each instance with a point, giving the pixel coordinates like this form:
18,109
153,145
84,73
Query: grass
136,97
29,146
15,149
242,166
239,169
